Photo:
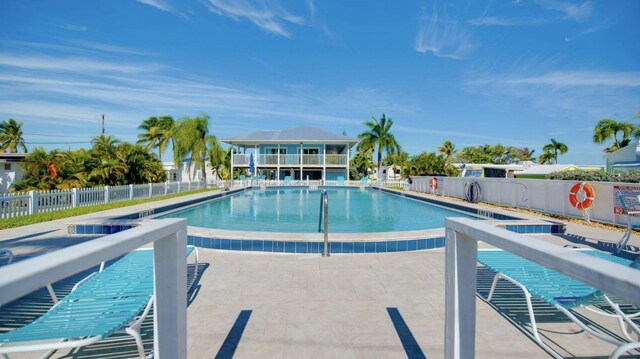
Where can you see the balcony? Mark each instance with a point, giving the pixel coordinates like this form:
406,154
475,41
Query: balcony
242,160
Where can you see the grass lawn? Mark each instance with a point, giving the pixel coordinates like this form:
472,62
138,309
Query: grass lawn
71,212
396,188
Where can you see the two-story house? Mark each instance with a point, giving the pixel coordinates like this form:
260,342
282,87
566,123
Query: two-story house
300,152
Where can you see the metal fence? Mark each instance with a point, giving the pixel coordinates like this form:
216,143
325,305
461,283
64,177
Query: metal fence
25,203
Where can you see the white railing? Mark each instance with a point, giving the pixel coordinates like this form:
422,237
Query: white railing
462,239
336,160
169,238
26,203
535,194
290,160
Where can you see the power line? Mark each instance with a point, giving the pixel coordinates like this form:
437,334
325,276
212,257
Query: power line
54,135
55,143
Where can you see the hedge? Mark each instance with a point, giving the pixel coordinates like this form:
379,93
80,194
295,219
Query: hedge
596,176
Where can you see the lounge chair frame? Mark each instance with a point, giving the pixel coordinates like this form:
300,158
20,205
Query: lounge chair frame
625,321
132,328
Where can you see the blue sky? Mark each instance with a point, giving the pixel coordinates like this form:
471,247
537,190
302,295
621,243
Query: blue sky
511,72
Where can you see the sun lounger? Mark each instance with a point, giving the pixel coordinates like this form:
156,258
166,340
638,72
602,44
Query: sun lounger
115,299
364,181
340,181
562,292
287,180
622,243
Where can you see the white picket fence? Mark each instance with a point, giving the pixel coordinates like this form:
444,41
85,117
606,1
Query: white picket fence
551,196
26,203
313,184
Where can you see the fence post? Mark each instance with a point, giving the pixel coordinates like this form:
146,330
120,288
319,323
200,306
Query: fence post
178,186
130,192
33,202
166,188
189,186
74,197
150,189
460,295
106,194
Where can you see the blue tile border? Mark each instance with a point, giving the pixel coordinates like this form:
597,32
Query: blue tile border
316,247
551,228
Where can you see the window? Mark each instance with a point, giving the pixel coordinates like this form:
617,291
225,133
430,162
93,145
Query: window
7,166
274,151
310,151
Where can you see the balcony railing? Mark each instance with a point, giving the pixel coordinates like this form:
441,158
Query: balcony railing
291,160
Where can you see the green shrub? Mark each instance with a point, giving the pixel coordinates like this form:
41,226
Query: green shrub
596,176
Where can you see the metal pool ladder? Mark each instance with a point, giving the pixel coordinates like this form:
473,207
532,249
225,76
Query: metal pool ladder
324,219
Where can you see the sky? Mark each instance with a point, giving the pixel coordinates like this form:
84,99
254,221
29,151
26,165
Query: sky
511,72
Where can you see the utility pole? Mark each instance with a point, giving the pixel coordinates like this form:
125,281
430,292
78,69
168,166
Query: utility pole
102,125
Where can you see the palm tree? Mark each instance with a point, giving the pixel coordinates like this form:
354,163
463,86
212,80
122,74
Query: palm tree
158,133
216,156
396,160
448,149
11,136
554,147
546,158
190,137
378,134
606,129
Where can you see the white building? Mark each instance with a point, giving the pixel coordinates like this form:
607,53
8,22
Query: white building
625,159
10,170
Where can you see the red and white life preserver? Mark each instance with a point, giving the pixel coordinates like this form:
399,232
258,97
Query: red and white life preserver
581,195
433,183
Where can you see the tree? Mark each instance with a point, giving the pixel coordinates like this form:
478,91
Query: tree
554,147
217,157
429,163
396,160
11,136
378,134
360,164
190,138
546,158
158,133
606,129
448,149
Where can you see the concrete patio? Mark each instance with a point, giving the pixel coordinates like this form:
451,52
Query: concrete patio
388,305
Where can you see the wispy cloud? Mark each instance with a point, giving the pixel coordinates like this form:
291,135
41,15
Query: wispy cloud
163,5
502,21
581,78
72,64
72,27
572,11
589,30
443,35
269,15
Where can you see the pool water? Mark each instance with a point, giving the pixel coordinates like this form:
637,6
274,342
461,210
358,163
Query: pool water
298,210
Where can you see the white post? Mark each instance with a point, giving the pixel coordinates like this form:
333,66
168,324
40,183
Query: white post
189,186
178,186
150,189
460,295
33,202
170,283
348,153
106,194
166,188
74,197
130,192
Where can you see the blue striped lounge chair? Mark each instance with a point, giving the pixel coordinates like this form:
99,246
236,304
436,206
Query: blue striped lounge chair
379,182
364,181
622,243
563,293
116,299
287,180
340,181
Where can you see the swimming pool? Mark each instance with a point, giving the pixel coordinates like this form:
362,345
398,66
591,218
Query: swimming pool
351,210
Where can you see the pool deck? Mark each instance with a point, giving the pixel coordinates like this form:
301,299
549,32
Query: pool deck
388,305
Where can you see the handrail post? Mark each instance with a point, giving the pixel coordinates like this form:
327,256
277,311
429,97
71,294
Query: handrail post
325,202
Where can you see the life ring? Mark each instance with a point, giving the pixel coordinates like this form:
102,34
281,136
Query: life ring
433,183
589,195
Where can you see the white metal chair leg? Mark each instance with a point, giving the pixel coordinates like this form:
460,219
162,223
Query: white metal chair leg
138,338
596,334
623,349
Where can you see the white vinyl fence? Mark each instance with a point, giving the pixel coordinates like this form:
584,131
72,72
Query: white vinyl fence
543,195
26,203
